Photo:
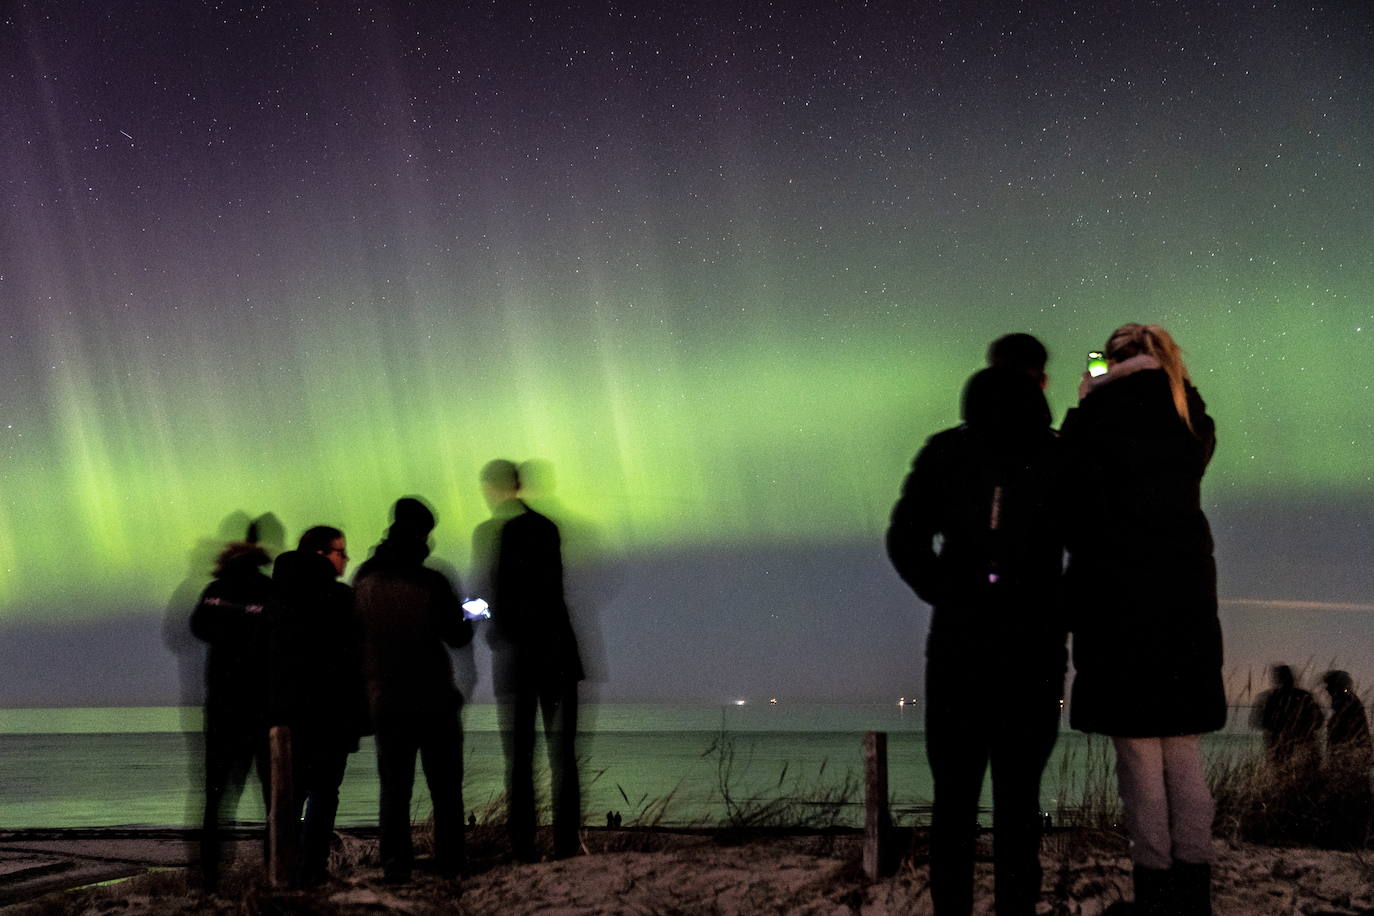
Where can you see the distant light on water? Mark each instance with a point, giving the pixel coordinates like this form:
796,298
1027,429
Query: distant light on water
741,702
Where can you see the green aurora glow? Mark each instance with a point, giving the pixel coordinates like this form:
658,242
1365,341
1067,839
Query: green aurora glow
758,440
726,320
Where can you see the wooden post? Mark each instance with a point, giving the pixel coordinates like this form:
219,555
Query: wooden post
877,820
282,829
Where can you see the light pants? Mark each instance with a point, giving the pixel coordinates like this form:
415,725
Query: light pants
1164,791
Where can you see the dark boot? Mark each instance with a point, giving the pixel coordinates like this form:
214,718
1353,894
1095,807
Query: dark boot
1154,891
1193,888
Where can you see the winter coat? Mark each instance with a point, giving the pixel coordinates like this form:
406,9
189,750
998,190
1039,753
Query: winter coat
1141,580
317,682
409,615
531,636
989,492
231,618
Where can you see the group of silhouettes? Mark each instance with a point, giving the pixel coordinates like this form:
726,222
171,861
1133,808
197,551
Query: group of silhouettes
1318,765
987,517
332,663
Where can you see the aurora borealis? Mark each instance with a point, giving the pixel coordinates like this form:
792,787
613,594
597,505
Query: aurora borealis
722,266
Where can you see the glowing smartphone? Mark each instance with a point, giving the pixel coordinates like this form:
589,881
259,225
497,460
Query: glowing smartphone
476,609
1097,363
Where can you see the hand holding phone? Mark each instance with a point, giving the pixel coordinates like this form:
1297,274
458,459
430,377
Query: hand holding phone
1097,363
476,609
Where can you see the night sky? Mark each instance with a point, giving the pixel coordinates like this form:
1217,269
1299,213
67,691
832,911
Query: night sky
721,267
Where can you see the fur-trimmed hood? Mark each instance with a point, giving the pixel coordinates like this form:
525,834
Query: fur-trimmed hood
1138,363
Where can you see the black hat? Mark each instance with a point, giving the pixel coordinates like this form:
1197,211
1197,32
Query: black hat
411,517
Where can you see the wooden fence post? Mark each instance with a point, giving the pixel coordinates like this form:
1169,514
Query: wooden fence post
282,829
877,819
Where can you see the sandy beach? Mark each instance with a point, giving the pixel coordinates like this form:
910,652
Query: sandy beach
634,871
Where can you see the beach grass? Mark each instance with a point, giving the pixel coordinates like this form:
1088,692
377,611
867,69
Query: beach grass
1257,802
799,799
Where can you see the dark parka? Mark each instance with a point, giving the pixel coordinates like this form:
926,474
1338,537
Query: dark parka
989,491
231,618
1141,578
317,679
410,615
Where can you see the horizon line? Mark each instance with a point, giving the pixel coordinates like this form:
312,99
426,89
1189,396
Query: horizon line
1356,606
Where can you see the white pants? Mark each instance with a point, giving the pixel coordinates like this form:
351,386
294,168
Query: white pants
1164,791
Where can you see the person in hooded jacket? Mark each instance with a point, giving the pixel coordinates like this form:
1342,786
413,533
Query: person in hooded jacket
410,617
988,492
1141,581
317,685
230,617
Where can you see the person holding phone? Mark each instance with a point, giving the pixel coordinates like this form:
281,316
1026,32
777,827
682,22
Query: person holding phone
410,616
1141,587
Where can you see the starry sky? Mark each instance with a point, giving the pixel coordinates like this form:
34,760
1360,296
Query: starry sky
719,267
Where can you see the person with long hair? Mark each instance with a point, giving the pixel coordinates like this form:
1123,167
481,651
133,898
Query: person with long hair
1141,586
230,619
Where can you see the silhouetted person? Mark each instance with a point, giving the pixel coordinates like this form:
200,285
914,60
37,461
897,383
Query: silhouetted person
1349,757
535,662
1142,589
190,655
231,618
591,578
1021,353
1291,721
995,656
316,682
268,533
410,616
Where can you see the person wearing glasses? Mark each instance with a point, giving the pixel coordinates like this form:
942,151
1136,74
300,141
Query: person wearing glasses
317,687
1142,596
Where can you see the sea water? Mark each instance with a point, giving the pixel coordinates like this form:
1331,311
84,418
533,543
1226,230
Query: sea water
672,765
